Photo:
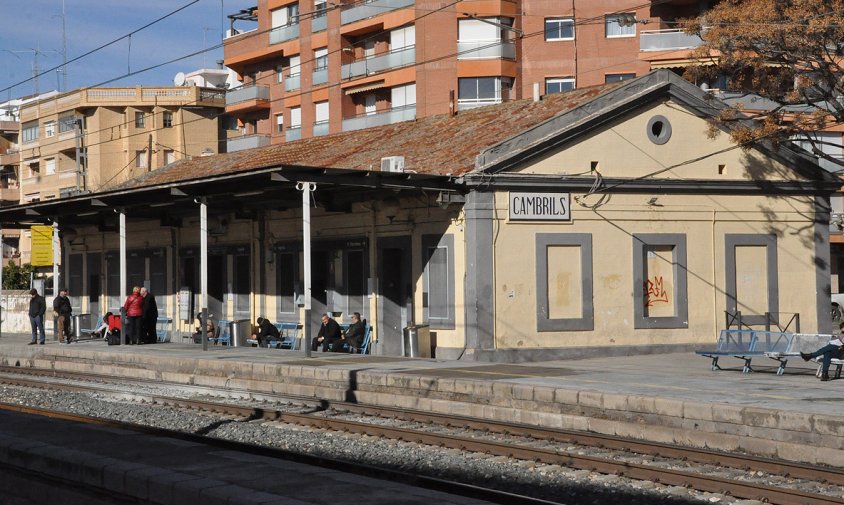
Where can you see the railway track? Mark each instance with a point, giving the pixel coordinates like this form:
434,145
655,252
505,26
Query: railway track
317,417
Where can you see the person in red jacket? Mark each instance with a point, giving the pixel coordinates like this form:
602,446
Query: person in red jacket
134,309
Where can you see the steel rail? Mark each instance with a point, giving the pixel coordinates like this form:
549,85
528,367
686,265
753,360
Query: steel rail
631,470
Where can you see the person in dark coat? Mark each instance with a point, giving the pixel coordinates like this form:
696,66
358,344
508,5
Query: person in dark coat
266,331
329,332
37,309
353,336
149,317
64,313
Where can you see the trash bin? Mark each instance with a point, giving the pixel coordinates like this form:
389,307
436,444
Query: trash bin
239,331
417,341
81,321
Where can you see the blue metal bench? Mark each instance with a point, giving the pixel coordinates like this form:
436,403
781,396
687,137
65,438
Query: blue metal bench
162,329
223,335
749,344
804,342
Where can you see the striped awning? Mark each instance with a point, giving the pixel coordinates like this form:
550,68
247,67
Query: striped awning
365,87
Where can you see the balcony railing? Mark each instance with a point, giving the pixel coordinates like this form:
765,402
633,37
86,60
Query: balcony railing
283,33
382,118
10,194
474,103
320,76
292,82
318,24
247,93
371,9
398,58
663,40
247,142
485,50
10,157
831,166
293,134
320,128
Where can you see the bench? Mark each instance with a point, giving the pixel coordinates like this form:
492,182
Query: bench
289,337
162,329
748,344
800,342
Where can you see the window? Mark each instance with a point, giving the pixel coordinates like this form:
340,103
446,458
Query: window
355,268
402,38
287,15
660,298
49,166
370,106
279,123
279,73
321,58
32,197
34,168
321,112
295,117
295,65
67,123
168,119
479,91
558,84
618,77
320,7
139,119
564,282
29,132
620,25
438,290
140,159
403,96
368,48
50,129
559,29
169,156
287,267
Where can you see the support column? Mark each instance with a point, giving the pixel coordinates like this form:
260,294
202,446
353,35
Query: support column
56,278
203,269
123,278
307,188
2,264
480,309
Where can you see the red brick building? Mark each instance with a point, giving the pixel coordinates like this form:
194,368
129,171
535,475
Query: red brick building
312,67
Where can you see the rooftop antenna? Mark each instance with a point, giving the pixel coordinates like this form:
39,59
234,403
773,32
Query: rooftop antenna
63,70
205,30
35,68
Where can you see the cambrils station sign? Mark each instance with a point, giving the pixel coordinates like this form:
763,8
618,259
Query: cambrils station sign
540,207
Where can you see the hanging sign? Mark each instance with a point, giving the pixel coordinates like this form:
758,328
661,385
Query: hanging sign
42,245
540,207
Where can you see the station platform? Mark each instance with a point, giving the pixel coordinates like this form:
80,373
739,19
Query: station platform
671,398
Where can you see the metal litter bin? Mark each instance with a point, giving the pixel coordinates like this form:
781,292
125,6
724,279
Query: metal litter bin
417,341
81,321
239,331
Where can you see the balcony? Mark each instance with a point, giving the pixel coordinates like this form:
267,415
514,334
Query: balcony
667,40
474,103
383,118
394,59
320,76
9,157
10,194
248,93
284,33
318,24
294,133
485,50
372,9
292,82
320,128
247,142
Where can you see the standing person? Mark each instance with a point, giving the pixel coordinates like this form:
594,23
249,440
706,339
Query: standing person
329,332
64,312
834,349
134,310
266,330
37,308
149,317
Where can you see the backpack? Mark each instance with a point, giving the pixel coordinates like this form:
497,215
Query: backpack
114,337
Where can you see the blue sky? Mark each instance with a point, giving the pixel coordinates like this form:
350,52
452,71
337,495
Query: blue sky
29,25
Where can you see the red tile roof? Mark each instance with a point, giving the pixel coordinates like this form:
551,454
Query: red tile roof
440,144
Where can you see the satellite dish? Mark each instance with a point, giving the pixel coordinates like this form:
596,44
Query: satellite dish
179,80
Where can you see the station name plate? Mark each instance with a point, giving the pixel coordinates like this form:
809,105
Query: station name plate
540,207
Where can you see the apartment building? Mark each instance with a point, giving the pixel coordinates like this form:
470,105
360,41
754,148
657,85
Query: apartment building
96,138
313,67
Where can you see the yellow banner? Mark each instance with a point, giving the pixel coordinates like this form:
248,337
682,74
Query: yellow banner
42,246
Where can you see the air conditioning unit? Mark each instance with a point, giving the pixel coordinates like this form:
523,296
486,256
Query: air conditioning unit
392,164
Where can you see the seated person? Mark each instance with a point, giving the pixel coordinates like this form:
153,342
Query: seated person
329,332
105,328
834,349
266,331
210,329
353,336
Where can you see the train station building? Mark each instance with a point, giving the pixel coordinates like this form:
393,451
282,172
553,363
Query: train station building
600,221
